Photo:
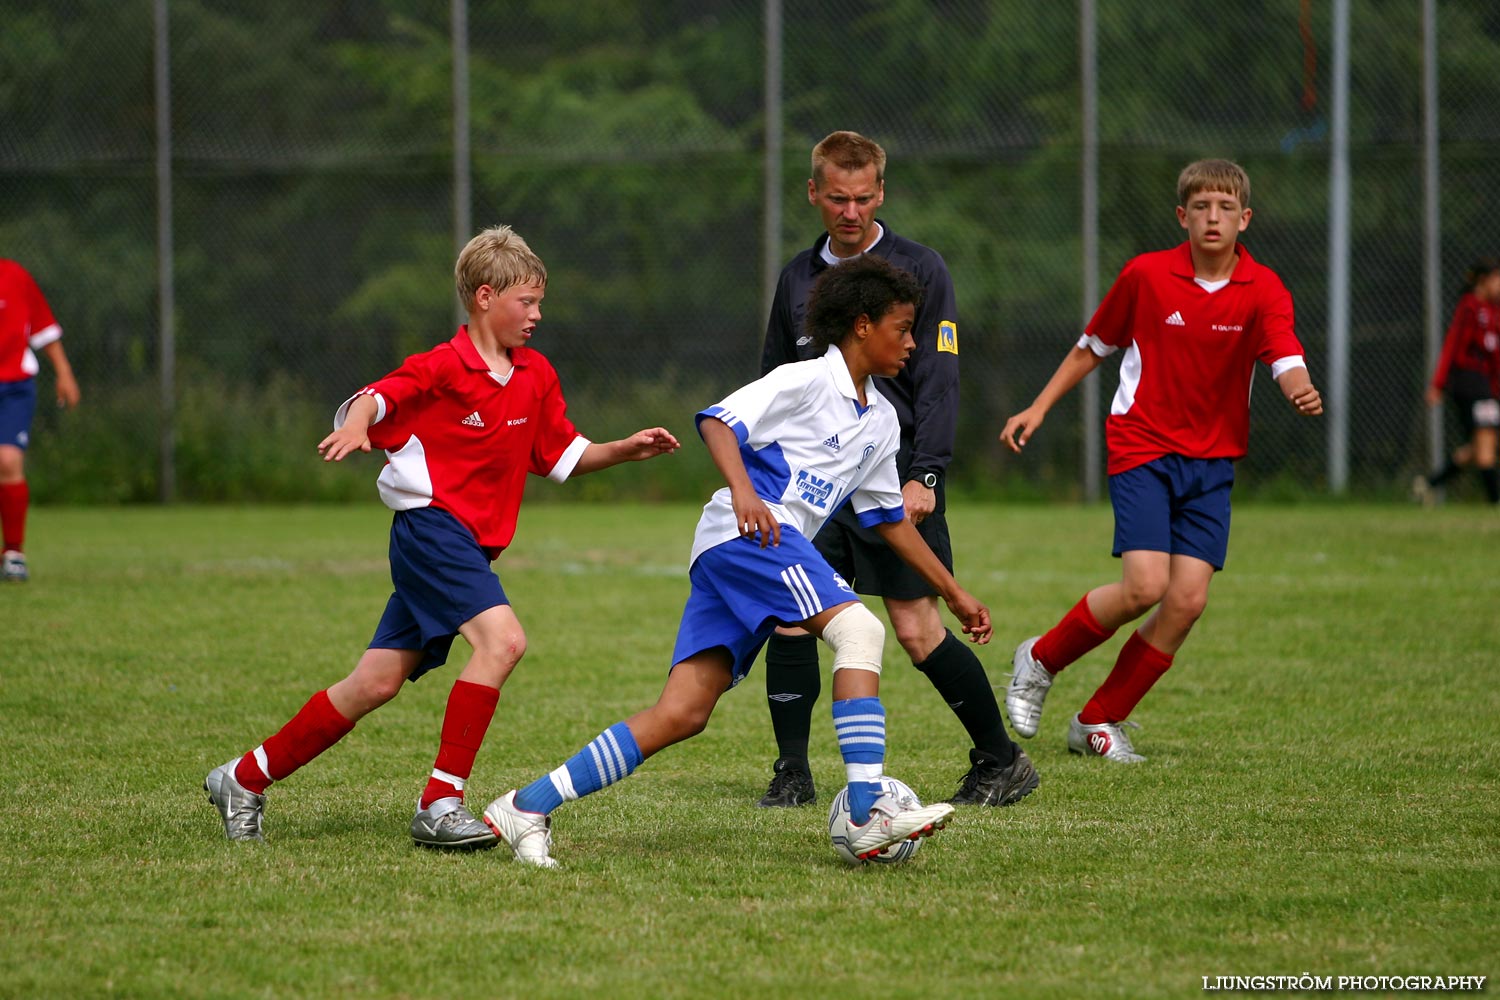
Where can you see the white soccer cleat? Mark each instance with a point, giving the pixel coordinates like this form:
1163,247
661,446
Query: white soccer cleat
893,820
13,567
1029,684
527,834
1107,740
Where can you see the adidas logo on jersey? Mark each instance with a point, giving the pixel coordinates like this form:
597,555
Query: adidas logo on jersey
832,442
1175,319
472,420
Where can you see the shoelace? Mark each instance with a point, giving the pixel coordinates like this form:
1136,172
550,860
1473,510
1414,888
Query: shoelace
454,818
1125,739
970,783
781,780
1032,681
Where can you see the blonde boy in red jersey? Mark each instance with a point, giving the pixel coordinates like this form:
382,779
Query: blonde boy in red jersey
26,327
462,425
1192,322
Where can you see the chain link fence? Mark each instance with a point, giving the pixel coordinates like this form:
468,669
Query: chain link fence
313,218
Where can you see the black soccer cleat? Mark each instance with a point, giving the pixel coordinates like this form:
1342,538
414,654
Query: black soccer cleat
791,786
990,783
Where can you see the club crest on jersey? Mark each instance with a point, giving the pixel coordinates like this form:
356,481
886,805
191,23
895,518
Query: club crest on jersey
869,450
832,442
838,581
948,337
815,490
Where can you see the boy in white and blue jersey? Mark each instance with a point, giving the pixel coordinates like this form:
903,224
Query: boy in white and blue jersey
792,448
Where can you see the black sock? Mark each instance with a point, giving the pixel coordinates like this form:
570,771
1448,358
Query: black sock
793,682
1491,484
1444,474
960,678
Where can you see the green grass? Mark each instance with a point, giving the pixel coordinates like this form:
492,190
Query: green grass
1322,794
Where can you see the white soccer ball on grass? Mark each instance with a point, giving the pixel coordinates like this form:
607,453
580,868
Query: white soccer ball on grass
838,825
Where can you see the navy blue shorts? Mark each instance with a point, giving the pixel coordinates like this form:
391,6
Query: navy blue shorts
861,556
1174,504
17,407
442,579
741,592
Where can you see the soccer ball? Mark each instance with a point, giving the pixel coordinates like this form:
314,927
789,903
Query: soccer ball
838,825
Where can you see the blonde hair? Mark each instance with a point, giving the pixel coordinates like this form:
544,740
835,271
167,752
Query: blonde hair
497,257
1214,175
847,151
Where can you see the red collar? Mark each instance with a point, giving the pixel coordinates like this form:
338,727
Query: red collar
1182,262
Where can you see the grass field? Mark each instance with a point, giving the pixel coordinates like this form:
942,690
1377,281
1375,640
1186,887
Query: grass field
1322,794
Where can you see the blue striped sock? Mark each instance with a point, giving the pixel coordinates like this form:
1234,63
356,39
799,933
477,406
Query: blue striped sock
612,755
860,723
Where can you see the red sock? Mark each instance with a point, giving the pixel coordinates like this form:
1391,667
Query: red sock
312,730
1076,634
1139,666
470,709
14,499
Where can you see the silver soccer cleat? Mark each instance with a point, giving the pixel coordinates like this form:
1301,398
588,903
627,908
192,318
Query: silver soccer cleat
449,826
13,567
1107,740
240,808
529,835
1029,684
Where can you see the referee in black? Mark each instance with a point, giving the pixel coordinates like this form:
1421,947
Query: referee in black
847,187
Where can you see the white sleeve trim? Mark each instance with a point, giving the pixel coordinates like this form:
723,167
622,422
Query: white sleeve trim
1281,366
45,336
569,460
1099,347
342,413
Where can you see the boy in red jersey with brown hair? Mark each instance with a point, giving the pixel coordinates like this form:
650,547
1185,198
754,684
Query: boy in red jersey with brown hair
461,425
1192,322
26,327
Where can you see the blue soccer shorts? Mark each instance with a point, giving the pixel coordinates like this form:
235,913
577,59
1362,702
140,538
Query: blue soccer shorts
442,579
17,407
741,592
1174,504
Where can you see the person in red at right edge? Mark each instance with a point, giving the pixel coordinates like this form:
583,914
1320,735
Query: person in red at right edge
1468,370
1191,321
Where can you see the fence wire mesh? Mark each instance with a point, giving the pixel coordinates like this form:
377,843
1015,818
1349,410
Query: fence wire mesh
313,178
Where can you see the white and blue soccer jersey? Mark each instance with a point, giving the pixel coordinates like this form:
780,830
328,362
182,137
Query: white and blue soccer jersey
809,446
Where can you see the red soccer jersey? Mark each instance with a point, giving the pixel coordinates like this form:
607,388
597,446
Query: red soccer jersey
459,439
1189,355
26,323
1473,342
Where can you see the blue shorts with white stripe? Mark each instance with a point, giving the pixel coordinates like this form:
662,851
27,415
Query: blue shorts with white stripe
741,592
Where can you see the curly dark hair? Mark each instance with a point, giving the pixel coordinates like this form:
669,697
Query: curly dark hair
865,286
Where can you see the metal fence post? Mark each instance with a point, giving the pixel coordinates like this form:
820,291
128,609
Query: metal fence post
1089,167
1432,229
166,289
463,179
1338,257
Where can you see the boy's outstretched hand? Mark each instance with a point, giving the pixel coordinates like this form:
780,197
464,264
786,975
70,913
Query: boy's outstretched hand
1019,428
649,443
975,616
1307,400
341,442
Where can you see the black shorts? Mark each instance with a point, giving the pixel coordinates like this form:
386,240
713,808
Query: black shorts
1473,399
864,560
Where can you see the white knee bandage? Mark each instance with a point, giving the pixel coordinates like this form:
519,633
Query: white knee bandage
857,639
